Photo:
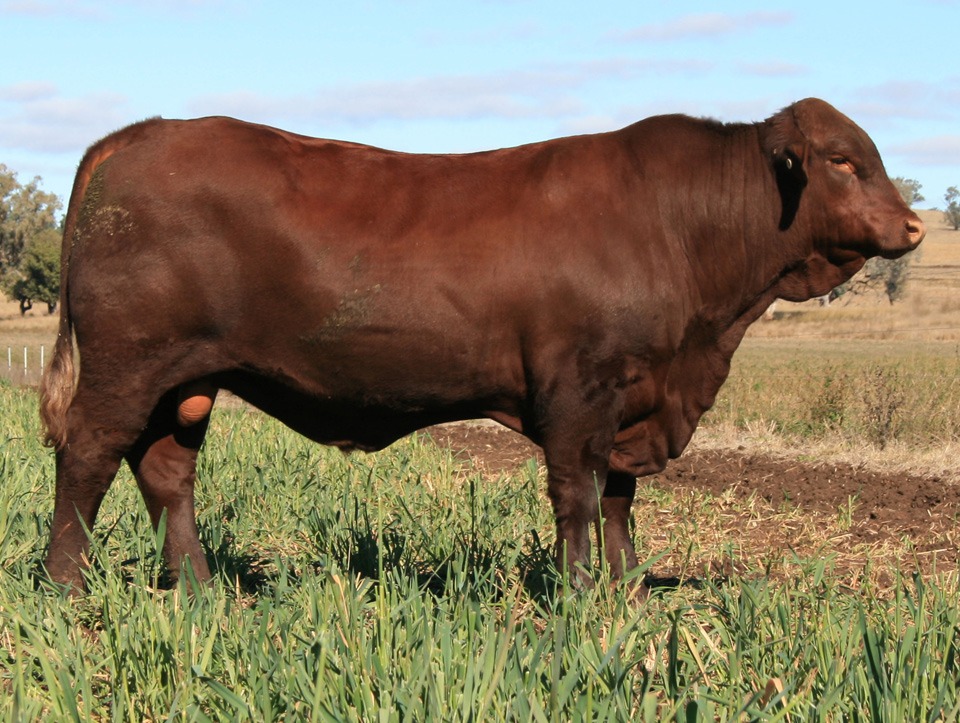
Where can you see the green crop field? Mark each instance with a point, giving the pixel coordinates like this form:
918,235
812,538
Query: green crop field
407,586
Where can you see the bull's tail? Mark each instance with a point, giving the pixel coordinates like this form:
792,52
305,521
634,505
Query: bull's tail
59,382
57,385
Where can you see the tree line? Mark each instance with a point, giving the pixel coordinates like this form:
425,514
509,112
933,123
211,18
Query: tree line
30,244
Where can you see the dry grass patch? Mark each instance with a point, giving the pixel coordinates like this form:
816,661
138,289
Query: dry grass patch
697,536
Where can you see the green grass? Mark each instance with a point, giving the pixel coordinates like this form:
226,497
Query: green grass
401,586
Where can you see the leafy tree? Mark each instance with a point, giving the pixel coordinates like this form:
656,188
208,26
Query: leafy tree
29,241
909,189
37,278
891,275
952,213
879,274
25,210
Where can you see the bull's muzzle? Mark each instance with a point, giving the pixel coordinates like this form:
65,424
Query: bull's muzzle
912,234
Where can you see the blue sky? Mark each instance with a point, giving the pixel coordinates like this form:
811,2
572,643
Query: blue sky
430,75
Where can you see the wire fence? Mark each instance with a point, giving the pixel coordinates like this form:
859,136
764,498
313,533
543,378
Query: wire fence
23,365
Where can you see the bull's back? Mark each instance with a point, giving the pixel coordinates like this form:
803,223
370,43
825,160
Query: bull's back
363,268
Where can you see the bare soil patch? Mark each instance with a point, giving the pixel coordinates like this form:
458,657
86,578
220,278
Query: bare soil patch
764,505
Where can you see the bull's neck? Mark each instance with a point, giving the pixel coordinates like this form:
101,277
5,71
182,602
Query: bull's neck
725,222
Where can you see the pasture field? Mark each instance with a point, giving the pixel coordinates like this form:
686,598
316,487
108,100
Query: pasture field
416,584
893,405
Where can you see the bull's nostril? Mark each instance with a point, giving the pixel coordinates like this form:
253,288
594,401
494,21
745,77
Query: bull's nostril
915,230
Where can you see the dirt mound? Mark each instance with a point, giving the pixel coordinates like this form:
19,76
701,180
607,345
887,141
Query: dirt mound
881,506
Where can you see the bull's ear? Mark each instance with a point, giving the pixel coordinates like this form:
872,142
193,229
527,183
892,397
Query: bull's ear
785,147
790,164
791,177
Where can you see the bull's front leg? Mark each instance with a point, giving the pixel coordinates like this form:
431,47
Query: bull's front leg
614,535
575,505
576,476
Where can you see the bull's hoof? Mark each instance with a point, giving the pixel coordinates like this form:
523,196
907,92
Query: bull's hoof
70,583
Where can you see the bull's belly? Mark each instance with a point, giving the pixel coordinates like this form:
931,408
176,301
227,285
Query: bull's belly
368,401
348,421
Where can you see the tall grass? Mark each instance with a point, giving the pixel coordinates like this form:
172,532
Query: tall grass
400,586
872,394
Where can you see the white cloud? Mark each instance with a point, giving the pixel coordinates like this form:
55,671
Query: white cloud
906,99
773,69
50,8
434,98
705,25
547,91
94,8
37,117
593,124
943,150
27,91
745,110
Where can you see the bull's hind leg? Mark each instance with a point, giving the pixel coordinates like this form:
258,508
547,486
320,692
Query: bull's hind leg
99,432
164,462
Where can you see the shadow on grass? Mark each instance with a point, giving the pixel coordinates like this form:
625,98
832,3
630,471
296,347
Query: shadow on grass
463,565
473,570
716,574
248,572
466,567
672,582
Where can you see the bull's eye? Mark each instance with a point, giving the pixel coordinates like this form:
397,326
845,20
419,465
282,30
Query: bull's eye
842,163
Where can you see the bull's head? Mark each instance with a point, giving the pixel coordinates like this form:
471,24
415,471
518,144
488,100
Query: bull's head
836,198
